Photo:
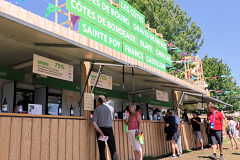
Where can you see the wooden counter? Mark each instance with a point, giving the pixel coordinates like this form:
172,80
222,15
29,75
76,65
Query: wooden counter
43,137
40,116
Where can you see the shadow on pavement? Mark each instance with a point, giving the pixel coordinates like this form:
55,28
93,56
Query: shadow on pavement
204,157
236,154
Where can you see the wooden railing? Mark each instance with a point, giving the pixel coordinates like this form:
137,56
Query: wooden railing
49,138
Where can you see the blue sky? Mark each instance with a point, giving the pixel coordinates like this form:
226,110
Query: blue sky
220,24
218,19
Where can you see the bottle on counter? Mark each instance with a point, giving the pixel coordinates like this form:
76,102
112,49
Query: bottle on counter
5,106
124,116
20,109
115,115
71,111
60,108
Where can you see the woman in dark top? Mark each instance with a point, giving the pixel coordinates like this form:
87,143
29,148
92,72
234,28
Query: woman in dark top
171,130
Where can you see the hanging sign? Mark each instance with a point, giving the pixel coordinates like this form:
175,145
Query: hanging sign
104,81
48,67
145,45
90,14
111,11
133,52
162,96
132,12
93,32
154,62
143,32
161,44
88,101
163,56
149,36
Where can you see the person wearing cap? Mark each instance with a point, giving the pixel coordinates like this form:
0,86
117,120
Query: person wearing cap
196,126
103,123
217,130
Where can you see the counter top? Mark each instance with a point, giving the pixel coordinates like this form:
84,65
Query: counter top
41,116
142,120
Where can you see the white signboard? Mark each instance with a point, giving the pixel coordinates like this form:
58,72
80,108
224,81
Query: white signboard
162,96
89,101
103,81
52,68
35,109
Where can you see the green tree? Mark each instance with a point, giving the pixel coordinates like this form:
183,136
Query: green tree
214,67
171,21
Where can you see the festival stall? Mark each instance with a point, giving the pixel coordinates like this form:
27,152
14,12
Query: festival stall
50,72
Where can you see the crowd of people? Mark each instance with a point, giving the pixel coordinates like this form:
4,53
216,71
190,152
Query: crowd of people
103,122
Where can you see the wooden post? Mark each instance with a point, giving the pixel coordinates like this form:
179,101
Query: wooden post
86,67
175,98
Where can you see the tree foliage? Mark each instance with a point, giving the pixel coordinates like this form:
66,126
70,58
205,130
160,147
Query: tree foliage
171,21
214,67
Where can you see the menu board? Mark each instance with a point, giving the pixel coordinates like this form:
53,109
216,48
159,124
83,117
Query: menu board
88,101
104,81
162,96
48,67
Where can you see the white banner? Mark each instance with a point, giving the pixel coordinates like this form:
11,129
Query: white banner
162,96
88,101
52,68
103,81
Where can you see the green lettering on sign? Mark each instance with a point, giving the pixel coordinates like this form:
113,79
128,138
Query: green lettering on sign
93,32
87,12
145,45
163,56
154,62
159,42
133,52
111,11
132,12
149,36
12,75
43,63
143,32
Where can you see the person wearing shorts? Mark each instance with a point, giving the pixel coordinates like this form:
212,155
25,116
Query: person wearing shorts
196,125
232,132
134,121
217,130
179,141
172,134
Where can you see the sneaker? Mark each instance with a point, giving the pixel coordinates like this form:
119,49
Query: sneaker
213,156
221,157
174,156
179,155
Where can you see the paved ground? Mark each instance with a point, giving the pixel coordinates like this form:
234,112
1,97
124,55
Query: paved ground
203,155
